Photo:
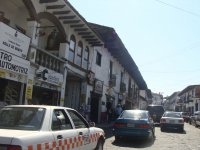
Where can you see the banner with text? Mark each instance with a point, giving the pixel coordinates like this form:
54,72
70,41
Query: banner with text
49,76
13,41
13,63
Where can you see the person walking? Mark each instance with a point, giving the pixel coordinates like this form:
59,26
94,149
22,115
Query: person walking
118,110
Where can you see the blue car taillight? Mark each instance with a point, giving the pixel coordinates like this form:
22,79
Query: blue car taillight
143,126
117,124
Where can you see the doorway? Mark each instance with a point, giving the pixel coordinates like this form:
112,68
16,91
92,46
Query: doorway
94,113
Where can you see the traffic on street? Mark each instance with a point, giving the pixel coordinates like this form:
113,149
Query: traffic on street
167,140
99,75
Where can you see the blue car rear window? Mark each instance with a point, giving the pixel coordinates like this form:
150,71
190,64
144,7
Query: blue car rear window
134,114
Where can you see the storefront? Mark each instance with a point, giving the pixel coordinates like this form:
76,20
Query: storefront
14,67
96,95
46,89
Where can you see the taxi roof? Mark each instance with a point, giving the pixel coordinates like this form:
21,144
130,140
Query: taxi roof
40,106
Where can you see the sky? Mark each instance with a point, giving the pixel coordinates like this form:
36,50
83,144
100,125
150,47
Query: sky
162,37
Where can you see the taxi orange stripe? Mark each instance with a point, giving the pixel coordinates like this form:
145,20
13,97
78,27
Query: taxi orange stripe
39,147
65,144
30,147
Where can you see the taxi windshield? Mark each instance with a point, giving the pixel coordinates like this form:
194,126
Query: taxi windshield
21,118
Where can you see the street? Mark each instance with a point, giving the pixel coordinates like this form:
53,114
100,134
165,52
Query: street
169,140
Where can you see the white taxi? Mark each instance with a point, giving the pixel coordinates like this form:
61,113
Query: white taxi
39,127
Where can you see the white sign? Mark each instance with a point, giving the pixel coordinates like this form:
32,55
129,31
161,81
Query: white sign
13,41
13,63
50,76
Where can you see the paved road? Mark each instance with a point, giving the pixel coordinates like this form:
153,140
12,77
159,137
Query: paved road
170,140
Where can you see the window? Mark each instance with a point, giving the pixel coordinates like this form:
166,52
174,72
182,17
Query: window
86,58
79,53
78,120
122,77
21,118
98,59
111,69
72,45
60,121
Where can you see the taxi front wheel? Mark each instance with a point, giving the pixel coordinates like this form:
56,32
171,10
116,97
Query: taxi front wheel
99,145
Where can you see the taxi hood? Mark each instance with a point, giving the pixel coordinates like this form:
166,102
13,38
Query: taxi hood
6,136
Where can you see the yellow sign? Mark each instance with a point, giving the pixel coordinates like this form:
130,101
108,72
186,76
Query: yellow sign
29,91
2,74
62,100
30,81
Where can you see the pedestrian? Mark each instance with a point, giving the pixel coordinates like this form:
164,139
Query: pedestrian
118,110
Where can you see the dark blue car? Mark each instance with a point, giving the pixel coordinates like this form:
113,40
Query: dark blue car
134,124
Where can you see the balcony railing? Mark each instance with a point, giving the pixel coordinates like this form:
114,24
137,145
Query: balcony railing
48,60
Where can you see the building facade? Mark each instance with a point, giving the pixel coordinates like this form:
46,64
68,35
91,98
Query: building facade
171,104
51,55
189,99
157,99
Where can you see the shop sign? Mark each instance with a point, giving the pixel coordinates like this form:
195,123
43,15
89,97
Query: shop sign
50,76
12,76
29,88
13,63
91,77
29,91
13,41
2,74
98,87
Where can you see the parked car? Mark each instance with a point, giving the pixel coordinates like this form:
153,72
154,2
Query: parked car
31,127
192,118
134,123
197,119
156,112
186,116
172,120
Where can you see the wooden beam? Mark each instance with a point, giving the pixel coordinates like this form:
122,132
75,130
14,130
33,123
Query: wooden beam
55,6
61,12
91,40
77,25
95,42
81,29
84,33
71,21
48,1
88,36
66,17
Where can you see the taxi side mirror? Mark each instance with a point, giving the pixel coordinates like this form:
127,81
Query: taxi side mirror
92,124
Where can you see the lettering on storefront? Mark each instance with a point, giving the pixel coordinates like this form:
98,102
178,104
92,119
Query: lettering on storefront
9,62
49,76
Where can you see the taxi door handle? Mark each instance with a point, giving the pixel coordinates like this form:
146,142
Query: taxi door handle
59,137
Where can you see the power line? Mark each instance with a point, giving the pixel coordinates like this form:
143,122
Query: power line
173,54
180,71
179,8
